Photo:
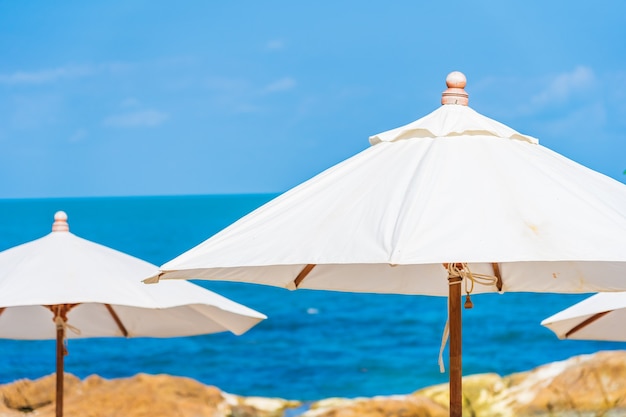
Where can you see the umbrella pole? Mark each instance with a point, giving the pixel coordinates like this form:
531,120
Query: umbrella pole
456,369
59,372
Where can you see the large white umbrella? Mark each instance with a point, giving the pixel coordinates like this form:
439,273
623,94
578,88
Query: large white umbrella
439,206
599,317
90,290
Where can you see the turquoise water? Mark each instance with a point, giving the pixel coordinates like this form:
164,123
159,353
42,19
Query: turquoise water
315,344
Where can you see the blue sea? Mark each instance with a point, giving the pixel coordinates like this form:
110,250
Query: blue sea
314,344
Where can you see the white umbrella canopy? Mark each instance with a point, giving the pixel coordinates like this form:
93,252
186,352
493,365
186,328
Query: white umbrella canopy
599,317
454,186
90,290
62,268
452,198
167,311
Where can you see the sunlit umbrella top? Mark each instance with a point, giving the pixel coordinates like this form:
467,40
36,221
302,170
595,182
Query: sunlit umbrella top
452,202
453,186
64,269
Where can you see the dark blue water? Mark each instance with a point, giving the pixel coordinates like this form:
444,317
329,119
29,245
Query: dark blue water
315,344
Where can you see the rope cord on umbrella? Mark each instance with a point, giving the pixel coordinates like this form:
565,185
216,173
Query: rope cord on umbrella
462,271
60,319
62,323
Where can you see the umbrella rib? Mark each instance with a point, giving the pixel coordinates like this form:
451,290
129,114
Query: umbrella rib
496,272
305,271
586,323
117,320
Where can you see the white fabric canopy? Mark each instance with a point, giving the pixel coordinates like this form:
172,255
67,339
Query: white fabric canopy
62,268
386,219
453,198
599,317
62,286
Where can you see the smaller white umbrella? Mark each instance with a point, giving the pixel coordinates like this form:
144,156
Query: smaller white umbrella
599,317
96,291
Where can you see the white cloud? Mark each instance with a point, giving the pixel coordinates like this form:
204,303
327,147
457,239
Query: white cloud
584,123
46,75
228,85
283,84
78,136
563,86
35,111
130,102
67,72
275,45
116,67
238,95
511,97
143,118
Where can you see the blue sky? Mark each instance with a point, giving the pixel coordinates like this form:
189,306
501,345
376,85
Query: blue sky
120,98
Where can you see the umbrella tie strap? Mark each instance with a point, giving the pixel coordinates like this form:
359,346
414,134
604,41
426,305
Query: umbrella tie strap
65,325
446,328
444,342
62,324
461,270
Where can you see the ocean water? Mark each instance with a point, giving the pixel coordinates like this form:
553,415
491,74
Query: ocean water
314,345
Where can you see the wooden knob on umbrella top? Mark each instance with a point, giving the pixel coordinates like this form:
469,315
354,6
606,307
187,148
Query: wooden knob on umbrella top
455,93
60,222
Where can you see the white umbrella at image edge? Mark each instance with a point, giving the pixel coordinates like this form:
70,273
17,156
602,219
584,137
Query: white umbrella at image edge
62,287
599,317
453,202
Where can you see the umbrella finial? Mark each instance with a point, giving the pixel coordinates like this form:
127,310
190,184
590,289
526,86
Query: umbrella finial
60,222
455,94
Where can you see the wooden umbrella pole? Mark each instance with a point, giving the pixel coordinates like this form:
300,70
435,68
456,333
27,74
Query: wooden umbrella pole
60,318
456,369
59,387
